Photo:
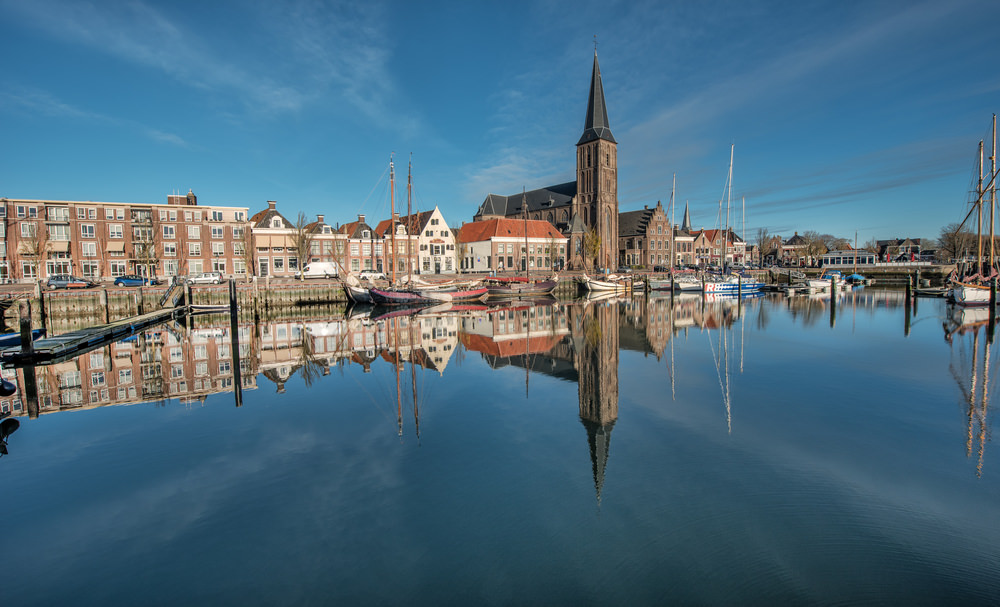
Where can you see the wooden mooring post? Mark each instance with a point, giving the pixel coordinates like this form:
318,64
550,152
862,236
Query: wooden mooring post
27,345
234,330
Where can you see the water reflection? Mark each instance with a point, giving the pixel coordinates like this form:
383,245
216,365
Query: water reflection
967,331
579,342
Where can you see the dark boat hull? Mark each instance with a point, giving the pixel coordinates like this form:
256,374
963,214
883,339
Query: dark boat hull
522,289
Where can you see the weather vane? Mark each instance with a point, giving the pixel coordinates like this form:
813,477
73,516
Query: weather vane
595,43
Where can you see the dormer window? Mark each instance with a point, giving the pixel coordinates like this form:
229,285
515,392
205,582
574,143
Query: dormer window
276,222
326,230
400,229
366,234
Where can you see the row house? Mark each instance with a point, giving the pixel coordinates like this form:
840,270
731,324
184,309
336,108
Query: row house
273,240
103,240
435,241
502,244
369,248
644,237
684,248
794,251
405,232
325,243
718,247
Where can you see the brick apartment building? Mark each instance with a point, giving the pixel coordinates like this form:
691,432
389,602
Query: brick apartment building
103,240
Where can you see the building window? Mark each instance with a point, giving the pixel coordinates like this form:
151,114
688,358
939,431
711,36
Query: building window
28,270
194,232
114,229
117,268
169,232
89,269
28,229
87,230
88,249
194,249
217,231
169,249
216,215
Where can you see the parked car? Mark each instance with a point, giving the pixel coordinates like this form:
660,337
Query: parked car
319,269
134,280
205,278
659,268
68,281
372,275
624,270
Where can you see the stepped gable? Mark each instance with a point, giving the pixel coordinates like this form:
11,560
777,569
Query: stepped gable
634,223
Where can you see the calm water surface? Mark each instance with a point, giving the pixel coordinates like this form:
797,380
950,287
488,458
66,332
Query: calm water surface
626,451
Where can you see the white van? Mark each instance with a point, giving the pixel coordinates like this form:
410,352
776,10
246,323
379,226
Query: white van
319,269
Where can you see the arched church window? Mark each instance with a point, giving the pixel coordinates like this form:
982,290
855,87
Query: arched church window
550,217
564,216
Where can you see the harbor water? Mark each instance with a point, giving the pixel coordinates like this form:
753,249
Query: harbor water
638,450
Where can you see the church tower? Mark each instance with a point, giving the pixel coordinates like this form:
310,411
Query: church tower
597,173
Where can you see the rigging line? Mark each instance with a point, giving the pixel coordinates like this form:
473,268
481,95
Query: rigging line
367,198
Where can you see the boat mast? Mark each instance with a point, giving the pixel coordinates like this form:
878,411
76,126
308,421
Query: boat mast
392,217
409,222
673,226
524,207
979,214
743,229
729,199
856,252
993,190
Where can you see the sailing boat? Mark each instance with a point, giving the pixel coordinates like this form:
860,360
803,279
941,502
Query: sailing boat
414,295
733,284
974,290
518,286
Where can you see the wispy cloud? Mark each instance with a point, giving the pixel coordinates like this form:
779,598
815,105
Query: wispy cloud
15,99
273,58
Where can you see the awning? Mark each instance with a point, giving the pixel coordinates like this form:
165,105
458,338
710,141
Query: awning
282,241
59,246
25,248
262,242
116,247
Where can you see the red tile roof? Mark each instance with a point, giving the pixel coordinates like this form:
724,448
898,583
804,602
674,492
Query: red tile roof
478,231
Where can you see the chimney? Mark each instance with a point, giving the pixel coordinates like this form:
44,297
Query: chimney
191,198
395,217
361,218
319,218
645,207
270,204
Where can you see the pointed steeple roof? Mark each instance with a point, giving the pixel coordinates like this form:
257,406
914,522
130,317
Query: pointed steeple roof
686,222
596,125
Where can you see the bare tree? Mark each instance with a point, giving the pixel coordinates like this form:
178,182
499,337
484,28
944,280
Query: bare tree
955,242
34,245
302,239
246,252
591,247
815,246
763,239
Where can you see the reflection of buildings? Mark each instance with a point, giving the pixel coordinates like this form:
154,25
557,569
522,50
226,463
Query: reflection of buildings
166,362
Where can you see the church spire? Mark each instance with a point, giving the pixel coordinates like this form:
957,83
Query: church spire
596,125
686,222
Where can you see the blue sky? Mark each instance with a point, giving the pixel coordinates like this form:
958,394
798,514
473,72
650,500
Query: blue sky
846,116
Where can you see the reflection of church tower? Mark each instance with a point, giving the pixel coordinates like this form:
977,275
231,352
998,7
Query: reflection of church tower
597,173
598,373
